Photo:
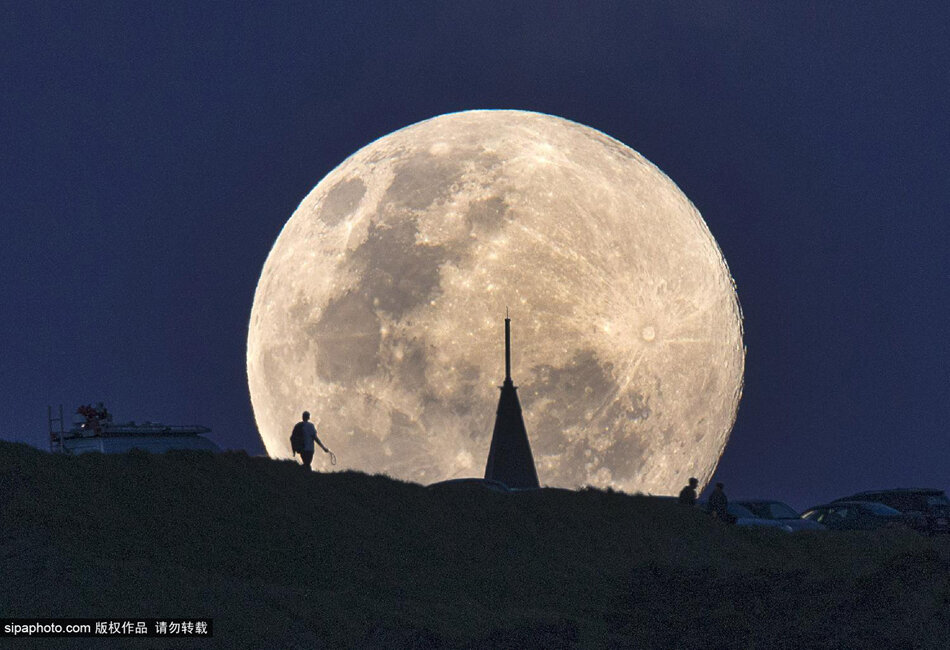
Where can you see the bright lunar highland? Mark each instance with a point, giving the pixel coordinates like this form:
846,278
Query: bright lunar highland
381,307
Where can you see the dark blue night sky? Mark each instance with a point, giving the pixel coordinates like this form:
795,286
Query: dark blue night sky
151,153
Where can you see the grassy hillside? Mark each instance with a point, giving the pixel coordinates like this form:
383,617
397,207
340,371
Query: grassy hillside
283,558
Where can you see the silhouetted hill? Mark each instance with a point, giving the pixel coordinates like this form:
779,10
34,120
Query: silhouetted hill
282,558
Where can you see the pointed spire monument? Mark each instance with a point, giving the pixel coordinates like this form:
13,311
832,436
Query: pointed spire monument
509,459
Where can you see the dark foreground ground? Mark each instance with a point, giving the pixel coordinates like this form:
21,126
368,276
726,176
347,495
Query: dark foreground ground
280,558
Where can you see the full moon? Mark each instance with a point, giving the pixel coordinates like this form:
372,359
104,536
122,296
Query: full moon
381,308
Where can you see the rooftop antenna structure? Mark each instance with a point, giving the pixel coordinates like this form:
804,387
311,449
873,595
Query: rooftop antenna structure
509,459
56,437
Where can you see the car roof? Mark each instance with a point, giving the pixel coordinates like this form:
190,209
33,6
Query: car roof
472,481
931,491
843,502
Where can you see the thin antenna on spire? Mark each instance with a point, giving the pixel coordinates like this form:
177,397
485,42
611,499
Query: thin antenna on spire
507,346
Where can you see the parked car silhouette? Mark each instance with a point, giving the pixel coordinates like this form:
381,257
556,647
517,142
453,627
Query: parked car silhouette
778,511
471,484
745,518
859,515
930,507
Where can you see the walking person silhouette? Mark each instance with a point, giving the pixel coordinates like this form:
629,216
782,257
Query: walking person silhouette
302,439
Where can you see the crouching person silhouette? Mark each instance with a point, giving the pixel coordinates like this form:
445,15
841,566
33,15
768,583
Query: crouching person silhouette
302,439
688,494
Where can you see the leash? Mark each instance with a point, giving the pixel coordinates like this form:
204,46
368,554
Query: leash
332,457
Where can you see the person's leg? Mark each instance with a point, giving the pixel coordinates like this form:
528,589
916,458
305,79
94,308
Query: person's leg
306,457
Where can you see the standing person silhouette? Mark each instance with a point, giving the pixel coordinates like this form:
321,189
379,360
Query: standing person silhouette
719,504
305,434
688,493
